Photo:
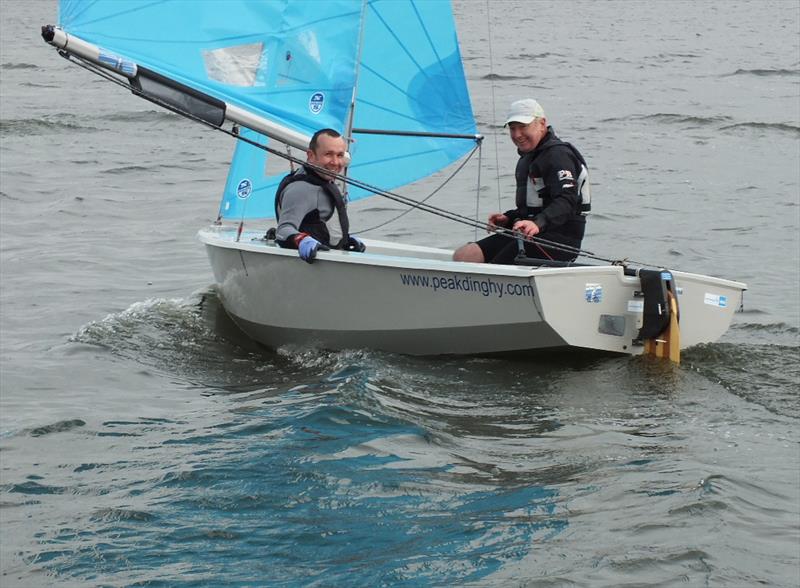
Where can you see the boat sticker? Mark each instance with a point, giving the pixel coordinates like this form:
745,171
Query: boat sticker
716,300
666,276
635,305
244,188
594,293
467,284
316,103
118,63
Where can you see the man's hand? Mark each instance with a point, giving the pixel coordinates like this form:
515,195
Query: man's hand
527,228
498,219
308,248
355,244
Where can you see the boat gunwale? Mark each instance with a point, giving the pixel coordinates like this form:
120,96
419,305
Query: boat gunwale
211,236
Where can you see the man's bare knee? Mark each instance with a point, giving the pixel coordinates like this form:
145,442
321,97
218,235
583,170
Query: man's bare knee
469,252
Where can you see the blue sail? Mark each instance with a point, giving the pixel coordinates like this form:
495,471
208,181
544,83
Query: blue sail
411,79
288,61
300,64
249,190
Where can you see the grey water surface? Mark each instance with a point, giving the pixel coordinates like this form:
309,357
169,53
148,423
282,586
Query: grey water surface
144,441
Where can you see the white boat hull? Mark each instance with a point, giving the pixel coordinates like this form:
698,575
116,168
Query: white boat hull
415,300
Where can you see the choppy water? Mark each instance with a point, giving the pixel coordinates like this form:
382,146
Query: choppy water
145,442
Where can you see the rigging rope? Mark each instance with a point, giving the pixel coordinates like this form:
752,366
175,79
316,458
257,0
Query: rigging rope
429,196
422,205
478,186
494,103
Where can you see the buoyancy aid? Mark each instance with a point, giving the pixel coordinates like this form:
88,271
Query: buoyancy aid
312,223
532,196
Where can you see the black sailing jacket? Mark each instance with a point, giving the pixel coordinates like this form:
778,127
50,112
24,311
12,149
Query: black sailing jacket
554,173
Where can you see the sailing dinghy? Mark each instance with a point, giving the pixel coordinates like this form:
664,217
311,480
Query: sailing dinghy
387,73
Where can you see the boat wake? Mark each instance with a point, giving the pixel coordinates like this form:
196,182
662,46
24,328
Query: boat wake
194,339
174,336
765,374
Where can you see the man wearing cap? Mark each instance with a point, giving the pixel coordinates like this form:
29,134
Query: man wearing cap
552,195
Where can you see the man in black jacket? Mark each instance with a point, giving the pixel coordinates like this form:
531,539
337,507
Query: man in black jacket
552,195
307,198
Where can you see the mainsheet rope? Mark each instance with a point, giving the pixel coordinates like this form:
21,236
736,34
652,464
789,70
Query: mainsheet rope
421,205
432,194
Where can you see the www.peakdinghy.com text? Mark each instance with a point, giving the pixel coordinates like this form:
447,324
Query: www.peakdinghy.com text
486,287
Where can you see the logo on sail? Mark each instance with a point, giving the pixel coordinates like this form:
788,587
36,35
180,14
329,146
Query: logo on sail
317,102
244,188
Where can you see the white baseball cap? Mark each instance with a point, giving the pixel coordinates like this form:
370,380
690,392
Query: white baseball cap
524,111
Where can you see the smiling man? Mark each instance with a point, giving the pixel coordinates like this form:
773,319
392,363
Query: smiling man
552,197
306,199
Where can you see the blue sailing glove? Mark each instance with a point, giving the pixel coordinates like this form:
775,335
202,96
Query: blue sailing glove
355,244
308,248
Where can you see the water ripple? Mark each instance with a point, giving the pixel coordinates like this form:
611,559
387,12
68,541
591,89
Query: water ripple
760,72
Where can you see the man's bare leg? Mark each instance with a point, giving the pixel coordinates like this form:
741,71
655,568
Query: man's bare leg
469,252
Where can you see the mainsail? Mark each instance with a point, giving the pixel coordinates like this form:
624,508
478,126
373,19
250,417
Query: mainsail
261,56
373,65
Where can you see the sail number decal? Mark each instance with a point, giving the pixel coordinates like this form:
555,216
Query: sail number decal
244,188
316,103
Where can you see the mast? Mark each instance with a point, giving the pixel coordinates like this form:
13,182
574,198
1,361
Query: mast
352,113
348,131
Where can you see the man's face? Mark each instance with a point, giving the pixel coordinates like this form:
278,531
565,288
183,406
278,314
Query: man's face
329,154
527,137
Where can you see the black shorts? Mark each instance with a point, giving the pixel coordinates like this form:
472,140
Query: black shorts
503,249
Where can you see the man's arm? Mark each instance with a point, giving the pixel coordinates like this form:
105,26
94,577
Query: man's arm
299,199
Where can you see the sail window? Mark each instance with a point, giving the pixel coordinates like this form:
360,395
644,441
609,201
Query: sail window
237,65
